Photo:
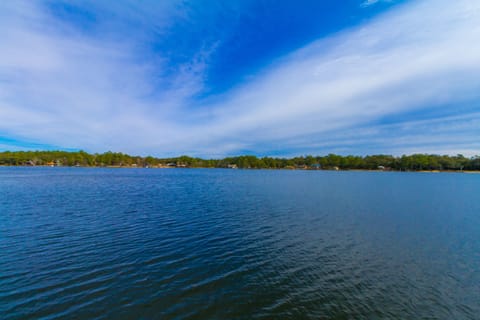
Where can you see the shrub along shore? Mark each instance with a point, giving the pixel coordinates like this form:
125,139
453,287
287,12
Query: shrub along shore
414,162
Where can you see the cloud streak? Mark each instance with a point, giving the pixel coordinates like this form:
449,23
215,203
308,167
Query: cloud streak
368,3
418,58
334,95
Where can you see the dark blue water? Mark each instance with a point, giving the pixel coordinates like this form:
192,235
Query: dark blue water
231,244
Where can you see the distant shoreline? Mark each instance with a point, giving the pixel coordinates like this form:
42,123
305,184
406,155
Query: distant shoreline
250,169
409,163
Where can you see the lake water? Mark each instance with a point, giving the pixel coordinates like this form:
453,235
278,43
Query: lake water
78,243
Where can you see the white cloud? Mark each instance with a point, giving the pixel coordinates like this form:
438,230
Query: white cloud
368,3
420,56
63,88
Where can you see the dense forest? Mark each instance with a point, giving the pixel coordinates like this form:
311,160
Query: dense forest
415,162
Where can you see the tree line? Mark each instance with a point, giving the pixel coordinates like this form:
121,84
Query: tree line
414,162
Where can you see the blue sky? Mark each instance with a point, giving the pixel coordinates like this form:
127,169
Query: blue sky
216,78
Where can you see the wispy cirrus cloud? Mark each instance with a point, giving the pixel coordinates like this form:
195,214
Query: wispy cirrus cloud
368,3
405,81
59,85
420,58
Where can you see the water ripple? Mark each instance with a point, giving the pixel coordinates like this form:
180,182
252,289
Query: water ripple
218,244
